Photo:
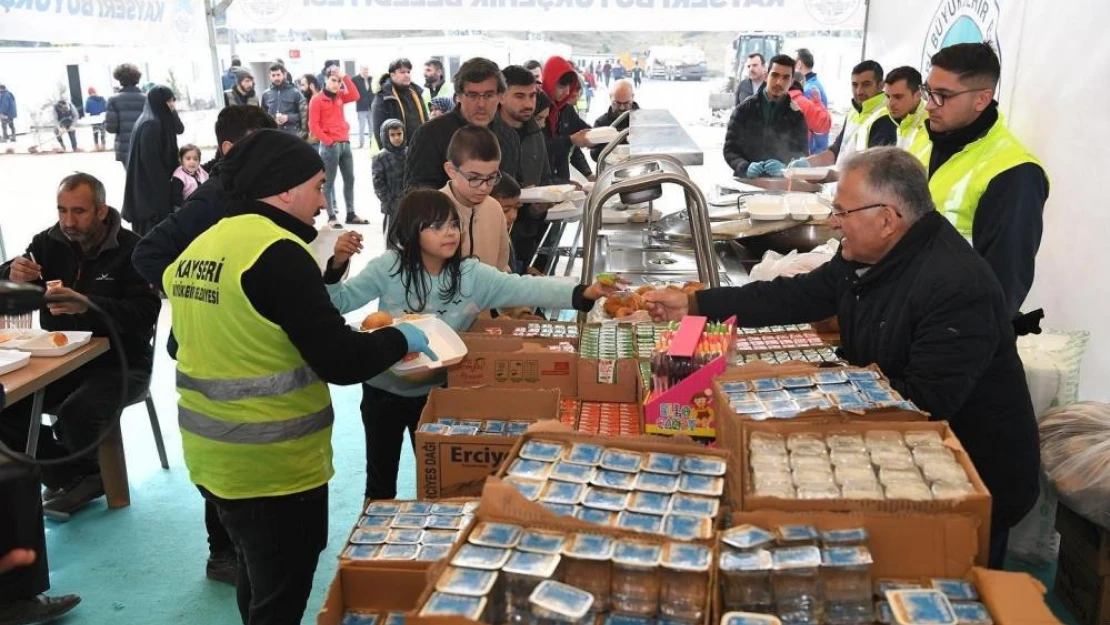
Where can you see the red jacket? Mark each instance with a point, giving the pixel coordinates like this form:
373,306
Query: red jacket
817,116
325,114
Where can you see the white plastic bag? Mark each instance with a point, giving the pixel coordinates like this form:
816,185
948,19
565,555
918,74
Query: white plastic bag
1051,363
1075,450
775,265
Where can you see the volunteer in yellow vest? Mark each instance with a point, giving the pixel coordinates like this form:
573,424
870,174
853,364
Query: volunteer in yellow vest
903,100
259,341
434,81
868,124
982,178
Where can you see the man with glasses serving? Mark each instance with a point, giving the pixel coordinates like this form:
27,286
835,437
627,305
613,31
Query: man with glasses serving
982,178
911,296
622,98
478,89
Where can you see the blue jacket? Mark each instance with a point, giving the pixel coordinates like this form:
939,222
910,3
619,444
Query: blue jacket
95,105
7,104
813,82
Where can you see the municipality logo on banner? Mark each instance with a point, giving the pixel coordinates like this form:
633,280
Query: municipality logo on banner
832,12
961,21
263,11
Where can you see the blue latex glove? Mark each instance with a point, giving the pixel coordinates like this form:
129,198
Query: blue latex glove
798,162
772,168
416,339
755,170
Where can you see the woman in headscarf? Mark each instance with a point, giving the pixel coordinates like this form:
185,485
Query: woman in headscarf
565,130
151,161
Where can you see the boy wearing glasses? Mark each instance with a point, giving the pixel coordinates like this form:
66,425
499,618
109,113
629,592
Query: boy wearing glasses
473,170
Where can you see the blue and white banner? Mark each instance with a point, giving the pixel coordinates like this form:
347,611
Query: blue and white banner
551,15
105,22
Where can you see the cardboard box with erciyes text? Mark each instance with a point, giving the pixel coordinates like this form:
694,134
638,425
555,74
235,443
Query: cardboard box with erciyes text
457,466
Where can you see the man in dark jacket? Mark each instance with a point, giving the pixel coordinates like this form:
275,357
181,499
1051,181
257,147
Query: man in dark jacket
398,98
8,114
768,130
124,109
754,75
365,85
478,87
285,103
161,246
518,105
242,92
89,251
912,296
622,99
388,170
565,131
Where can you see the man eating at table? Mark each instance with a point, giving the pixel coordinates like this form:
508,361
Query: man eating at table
89,252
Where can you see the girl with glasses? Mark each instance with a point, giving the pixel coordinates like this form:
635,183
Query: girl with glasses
424,271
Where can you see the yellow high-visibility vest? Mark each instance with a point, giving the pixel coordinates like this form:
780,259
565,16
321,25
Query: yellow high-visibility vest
255,419
958,185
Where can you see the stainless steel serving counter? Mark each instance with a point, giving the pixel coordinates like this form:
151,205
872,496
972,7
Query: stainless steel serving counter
656,131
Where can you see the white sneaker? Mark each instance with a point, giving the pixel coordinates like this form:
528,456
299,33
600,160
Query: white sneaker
334,223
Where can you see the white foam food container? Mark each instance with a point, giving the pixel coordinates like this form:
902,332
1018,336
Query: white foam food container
43,345
563,210
11,360
444,341
766,207
12,338
602,134
807,174
803,206
550,194
620,154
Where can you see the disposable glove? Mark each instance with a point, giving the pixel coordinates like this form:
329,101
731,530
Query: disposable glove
416,339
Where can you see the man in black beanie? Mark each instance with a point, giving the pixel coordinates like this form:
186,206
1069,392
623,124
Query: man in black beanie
258,343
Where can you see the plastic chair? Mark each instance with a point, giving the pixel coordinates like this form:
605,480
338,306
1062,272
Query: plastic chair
152,412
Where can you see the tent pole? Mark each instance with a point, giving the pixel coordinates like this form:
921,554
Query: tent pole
866,23
212,8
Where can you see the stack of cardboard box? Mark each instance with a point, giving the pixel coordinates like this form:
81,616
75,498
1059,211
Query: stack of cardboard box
1083,573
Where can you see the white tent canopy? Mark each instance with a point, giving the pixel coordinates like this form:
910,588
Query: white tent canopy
1051,55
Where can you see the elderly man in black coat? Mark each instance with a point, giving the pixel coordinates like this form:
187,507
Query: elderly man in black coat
912,296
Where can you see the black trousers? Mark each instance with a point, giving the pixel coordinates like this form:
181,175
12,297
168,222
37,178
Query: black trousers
21,527
218,539
386,417
1000,539
84,401
277,541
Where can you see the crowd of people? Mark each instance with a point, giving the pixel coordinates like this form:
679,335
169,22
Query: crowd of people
925,165
449,176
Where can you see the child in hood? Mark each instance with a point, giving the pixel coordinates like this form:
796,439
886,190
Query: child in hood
389,170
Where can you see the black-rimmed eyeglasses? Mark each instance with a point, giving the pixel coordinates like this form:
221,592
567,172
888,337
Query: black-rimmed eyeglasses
940,97
841,214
